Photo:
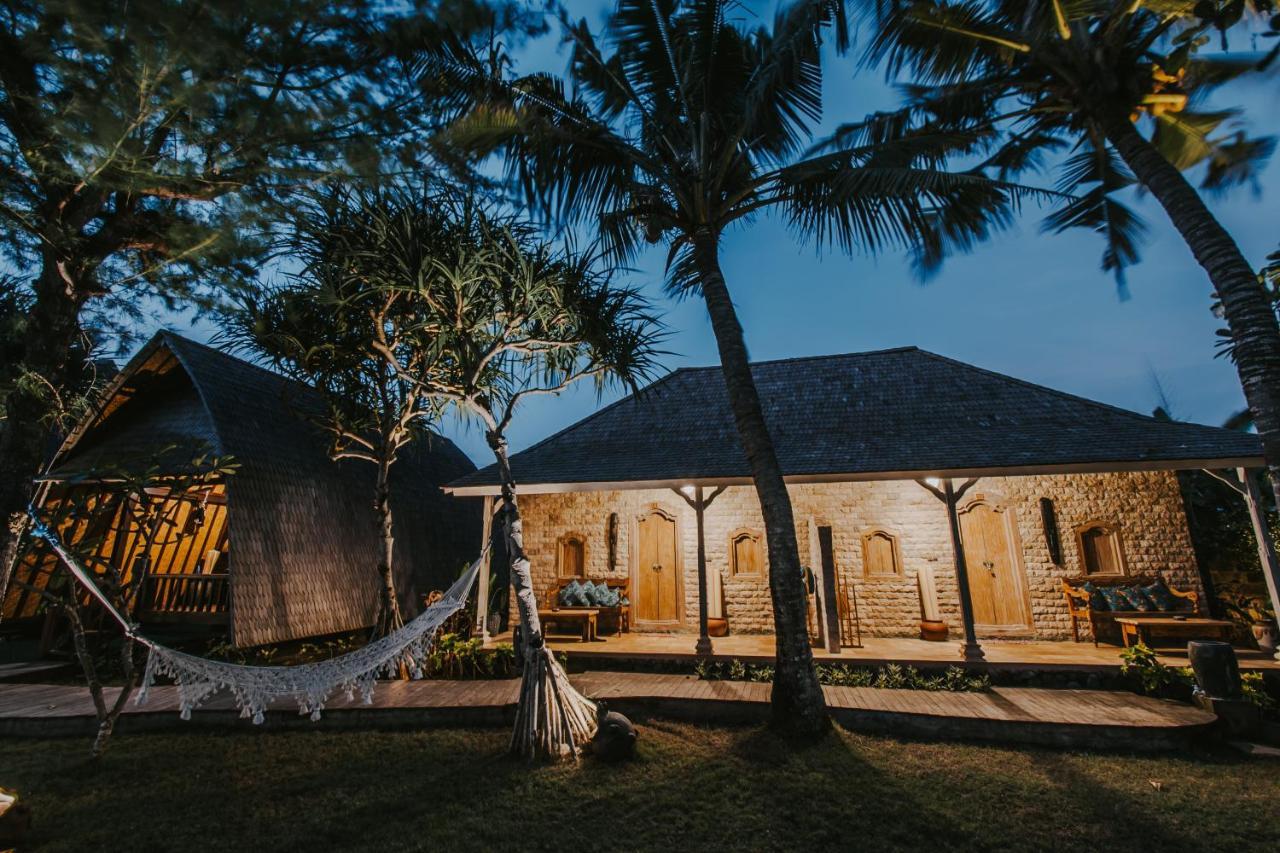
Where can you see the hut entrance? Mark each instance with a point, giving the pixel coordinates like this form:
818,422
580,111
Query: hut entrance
656,575
170,551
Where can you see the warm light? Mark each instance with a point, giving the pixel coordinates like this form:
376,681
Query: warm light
933,481
688,490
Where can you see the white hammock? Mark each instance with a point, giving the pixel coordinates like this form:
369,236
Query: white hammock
256,687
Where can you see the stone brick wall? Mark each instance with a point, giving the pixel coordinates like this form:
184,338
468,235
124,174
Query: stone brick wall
1145,507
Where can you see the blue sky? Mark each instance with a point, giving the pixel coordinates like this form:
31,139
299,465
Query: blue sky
1033,306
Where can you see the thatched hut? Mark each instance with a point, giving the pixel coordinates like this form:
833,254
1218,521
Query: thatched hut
282,549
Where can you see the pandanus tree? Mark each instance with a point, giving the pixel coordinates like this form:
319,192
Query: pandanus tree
682,123
329,324
503,316
1121,84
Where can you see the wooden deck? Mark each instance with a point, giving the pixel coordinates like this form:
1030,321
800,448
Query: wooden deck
1077,718
1001,654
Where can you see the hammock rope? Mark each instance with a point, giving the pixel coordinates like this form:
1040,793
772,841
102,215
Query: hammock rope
310,685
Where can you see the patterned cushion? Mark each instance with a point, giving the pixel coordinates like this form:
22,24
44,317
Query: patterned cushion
1115,600
572,595
1137,598
605,596
1160,596
1096,599
589,594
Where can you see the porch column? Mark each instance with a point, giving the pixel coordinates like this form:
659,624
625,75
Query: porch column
482,582
970,650
699,503
1266,548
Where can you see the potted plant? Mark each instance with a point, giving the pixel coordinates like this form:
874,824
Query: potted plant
1256,612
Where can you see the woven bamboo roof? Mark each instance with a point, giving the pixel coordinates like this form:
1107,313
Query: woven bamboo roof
875,415
303,542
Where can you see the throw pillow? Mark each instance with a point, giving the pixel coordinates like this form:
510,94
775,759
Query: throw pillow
606,597
589,594
1115,600
1096,599
1137,598
1160,596
569,594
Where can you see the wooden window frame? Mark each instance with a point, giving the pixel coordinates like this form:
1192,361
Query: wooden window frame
1117,538
561,541
757,539
865,538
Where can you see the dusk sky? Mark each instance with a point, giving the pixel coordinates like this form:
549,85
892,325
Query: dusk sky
1037,307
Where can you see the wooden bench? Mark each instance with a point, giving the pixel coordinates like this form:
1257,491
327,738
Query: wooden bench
617,620
584,617
1078,602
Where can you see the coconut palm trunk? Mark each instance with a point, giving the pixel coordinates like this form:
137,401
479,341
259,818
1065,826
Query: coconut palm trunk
553,720
1250,315
798,706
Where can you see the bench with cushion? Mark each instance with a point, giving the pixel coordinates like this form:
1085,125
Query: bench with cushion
613,603
1101,599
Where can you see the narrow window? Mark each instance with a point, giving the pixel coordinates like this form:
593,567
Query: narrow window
1100,550
744,553
880,554
571,556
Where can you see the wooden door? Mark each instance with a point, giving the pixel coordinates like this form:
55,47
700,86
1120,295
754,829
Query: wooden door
996,582
657,573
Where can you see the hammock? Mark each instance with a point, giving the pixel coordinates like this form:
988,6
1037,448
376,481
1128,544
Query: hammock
255,687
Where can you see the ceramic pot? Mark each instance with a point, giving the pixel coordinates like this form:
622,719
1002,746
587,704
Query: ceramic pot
934,630
1216,669
717,627
1264,634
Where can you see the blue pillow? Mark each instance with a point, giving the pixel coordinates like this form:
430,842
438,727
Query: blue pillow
1160,596
589,594
1137,598
1097,601
609,597
1115,601
572,595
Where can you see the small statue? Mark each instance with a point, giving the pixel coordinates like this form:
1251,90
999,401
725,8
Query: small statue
615,738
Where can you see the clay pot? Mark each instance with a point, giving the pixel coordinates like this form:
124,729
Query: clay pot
934,630
717,627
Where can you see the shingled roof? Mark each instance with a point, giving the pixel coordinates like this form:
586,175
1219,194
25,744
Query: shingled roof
872,415
301,526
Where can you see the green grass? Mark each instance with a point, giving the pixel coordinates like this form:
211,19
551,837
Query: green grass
690,788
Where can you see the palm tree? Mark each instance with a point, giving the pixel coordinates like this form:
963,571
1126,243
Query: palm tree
502,316
328,326
683,124
1042,74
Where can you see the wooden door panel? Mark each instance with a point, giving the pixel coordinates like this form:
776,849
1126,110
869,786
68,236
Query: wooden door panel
995,584
657,577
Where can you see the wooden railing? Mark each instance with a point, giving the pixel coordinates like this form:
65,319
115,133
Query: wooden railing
185,598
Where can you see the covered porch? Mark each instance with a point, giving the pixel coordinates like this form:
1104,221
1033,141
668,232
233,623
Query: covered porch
930,499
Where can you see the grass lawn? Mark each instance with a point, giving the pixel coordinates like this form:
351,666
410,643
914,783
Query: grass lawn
691,788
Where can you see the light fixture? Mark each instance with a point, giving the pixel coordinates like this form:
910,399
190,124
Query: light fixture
688,490
933,481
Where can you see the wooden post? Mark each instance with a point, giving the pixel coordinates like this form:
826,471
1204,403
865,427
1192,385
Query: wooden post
830,608
1266,548
970,650
482,582
703,646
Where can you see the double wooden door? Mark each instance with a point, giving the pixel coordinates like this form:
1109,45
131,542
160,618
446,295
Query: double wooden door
996,581
656,573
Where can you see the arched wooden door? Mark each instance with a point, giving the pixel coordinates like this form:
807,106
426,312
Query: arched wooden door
656,574
997,584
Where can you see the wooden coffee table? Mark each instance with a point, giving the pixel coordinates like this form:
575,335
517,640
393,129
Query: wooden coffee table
584,617
1192,627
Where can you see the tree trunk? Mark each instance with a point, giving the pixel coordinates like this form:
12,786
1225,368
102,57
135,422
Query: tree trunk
107,715
48,340
389,617
1250,315
553,721
798,706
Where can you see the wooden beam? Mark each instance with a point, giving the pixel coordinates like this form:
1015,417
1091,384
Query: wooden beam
482,582
1266,548
830,608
